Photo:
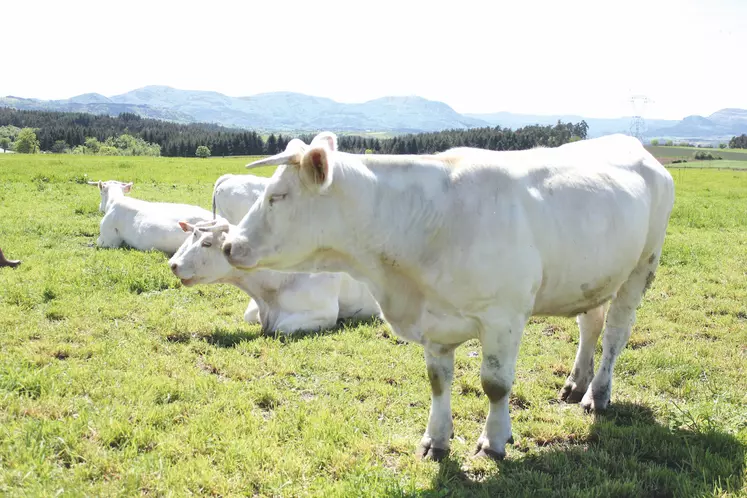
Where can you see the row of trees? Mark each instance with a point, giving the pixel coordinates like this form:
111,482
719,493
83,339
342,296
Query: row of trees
123,145
94,134
174,139
19,139
496,138
80,133
739,142
25,140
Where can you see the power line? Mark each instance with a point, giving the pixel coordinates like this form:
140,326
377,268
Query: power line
637,123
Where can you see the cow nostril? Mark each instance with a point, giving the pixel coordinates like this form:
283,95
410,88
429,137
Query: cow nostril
227,248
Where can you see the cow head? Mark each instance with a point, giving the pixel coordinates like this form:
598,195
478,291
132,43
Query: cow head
199,260
109,190
295,214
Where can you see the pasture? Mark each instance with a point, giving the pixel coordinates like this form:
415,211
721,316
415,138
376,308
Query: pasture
675,152
116,380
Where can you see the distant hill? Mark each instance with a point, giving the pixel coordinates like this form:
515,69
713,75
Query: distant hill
93,103
719,125
277,111
284,111
290,112
597,126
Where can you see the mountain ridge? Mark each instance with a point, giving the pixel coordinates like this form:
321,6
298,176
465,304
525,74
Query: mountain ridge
285,111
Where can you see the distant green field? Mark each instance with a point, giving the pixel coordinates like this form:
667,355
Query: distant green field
687,152
381,135
115,380
711,164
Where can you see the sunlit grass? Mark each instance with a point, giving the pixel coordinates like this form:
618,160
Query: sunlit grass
116,380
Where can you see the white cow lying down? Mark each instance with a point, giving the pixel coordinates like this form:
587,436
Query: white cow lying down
141,224
233,195
287,302
470,243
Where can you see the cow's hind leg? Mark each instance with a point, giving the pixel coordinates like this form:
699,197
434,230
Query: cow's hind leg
108,234
620,319
306,321
435,442
590,326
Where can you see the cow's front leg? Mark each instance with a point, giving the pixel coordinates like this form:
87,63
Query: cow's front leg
435,442
251,315
500,348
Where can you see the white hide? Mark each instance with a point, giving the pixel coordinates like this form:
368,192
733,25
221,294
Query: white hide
233,195
285,302
141,224
470,243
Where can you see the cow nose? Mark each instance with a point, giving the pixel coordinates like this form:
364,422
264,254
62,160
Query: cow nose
227,249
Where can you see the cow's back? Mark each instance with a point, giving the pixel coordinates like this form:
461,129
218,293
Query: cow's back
570,223
233,195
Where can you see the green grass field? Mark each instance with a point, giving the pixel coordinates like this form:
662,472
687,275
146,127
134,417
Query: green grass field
687,152
117,381
733,165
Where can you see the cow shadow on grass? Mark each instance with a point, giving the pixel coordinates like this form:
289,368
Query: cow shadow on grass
627,453
227,338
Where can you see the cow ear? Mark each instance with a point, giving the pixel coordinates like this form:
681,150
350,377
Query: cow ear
315,167
186,226
127,187
326,138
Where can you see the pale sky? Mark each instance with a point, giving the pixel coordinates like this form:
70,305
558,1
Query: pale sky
582,57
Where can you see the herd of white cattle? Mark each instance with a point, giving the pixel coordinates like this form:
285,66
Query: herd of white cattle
448,247
280,301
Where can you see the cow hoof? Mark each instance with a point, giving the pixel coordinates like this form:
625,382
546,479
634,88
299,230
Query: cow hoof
570,393
483,451
428,452
596,404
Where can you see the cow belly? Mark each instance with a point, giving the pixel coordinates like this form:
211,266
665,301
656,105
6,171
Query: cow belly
447,328
585,266
575,303
577,295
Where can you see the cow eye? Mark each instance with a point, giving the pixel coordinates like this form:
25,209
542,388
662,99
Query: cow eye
206,243
276,197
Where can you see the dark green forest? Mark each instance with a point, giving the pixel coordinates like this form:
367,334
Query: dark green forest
485,138
55,130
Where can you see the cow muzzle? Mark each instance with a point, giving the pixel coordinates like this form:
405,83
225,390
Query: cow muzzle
238,253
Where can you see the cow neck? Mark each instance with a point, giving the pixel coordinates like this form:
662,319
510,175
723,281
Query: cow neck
403,205
395,214
114,196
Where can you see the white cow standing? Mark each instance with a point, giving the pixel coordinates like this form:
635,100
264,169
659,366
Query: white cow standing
470,243
285,302
141,224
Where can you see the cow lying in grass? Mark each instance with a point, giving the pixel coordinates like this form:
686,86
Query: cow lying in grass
141,224
233,195
286,302
470,243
